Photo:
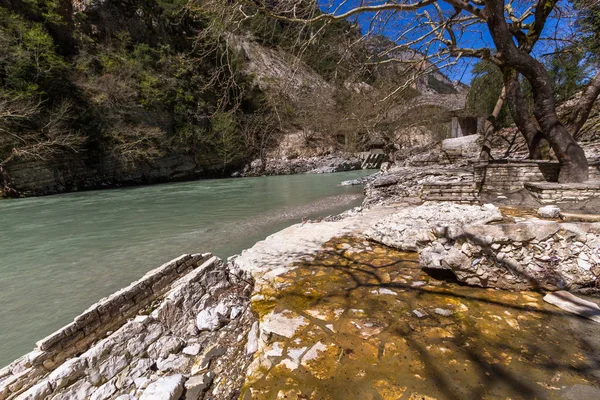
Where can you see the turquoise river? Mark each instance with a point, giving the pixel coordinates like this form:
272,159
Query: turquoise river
60,254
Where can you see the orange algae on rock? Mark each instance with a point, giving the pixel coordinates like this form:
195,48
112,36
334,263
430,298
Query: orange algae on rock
363,340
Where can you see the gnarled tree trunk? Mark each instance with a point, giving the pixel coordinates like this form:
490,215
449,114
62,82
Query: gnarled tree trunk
583,109
574,165
490,127
519,110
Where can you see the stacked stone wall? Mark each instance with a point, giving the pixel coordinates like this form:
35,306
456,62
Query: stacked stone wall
508,176
595,171
136,331
511,176
552,193
459,192
549,256
476,244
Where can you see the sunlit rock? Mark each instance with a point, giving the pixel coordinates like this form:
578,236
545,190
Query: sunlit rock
167,388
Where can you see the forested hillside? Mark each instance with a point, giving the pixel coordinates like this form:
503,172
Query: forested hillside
103,93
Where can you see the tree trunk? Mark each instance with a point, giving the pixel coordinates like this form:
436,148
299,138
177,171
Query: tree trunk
519,110
574,165
489,127
583,109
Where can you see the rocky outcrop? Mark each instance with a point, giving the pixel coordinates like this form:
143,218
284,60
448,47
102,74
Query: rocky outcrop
410,227
337,162
541,255
179,330
533,254
462,149
38,177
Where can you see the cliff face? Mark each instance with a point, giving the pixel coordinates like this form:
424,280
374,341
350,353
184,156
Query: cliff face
69,174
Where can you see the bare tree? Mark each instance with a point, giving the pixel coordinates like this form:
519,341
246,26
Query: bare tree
445,32
25,134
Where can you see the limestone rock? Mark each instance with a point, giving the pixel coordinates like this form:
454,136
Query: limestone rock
164,346
192,350
252,343
573,304
284,324
37,392
79,390
166,388
173,363
413,225
141,383
129,356
104,391
197,385
517,256
68,372
203,362
212,318
549,212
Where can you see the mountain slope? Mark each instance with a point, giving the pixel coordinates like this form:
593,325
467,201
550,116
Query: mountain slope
101,93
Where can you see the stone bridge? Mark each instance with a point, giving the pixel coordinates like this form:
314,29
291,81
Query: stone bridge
453,105
450,102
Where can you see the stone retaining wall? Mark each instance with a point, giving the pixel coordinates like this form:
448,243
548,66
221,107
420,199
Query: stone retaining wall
140,332
511,176
552,193
595,171
459,192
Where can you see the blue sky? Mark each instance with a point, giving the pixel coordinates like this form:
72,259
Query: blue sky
476,36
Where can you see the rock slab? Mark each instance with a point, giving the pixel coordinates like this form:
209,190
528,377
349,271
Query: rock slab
167,388
573,304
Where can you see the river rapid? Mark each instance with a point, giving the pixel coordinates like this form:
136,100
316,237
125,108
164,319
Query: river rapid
59,254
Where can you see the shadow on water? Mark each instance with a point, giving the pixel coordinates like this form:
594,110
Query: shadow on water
382,328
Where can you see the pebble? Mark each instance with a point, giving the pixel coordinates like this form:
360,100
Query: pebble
443,311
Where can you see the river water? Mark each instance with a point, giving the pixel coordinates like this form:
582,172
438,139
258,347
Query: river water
60,254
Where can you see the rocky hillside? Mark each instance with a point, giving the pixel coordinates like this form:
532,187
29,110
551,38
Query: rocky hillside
102,93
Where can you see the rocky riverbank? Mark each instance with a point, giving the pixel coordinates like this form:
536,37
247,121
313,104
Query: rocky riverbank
346,307
337,162
396,299
39,178
181,328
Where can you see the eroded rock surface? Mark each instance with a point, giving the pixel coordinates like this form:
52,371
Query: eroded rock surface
412,225
160,353
541,255
341,323
530,254
406,183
